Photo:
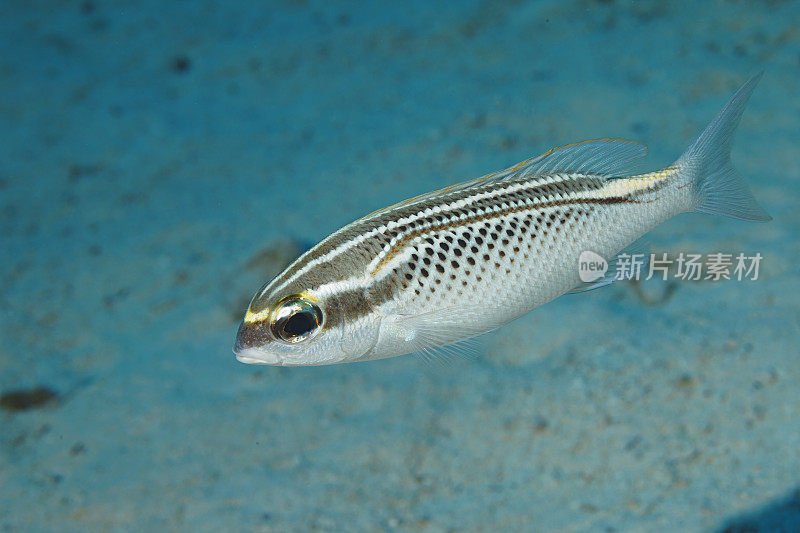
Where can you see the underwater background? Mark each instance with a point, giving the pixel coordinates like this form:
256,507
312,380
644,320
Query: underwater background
161,160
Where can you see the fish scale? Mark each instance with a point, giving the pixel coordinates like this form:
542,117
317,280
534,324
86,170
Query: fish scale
454,263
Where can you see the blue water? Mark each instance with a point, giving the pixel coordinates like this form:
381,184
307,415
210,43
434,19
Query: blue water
160,160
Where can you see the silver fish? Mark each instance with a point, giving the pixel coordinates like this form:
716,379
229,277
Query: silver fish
460,261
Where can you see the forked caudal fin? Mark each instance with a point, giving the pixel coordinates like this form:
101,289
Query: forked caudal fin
716,187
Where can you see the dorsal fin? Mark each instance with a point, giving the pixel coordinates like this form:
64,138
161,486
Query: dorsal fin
606,157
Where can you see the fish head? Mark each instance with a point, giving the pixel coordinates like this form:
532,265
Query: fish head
304,327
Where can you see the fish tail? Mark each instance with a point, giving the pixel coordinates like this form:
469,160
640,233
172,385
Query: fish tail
716,188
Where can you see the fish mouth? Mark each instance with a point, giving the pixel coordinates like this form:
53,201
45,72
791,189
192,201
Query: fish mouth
248,347
255,356
244,357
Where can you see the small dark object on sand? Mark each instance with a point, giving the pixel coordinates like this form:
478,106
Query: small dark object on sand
24,399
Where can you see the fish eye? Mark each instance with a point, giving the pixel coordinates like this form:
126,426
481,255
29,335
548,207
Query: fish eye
295,319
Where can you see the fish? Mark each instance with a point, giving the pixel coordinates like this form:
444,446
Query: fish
436,270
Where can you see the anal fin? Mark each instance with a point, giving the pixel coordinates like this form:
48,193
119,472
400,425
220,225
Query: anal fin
627,264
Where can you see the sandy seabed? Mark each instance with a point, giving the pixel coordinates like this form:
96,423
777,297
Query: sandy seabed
161,160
